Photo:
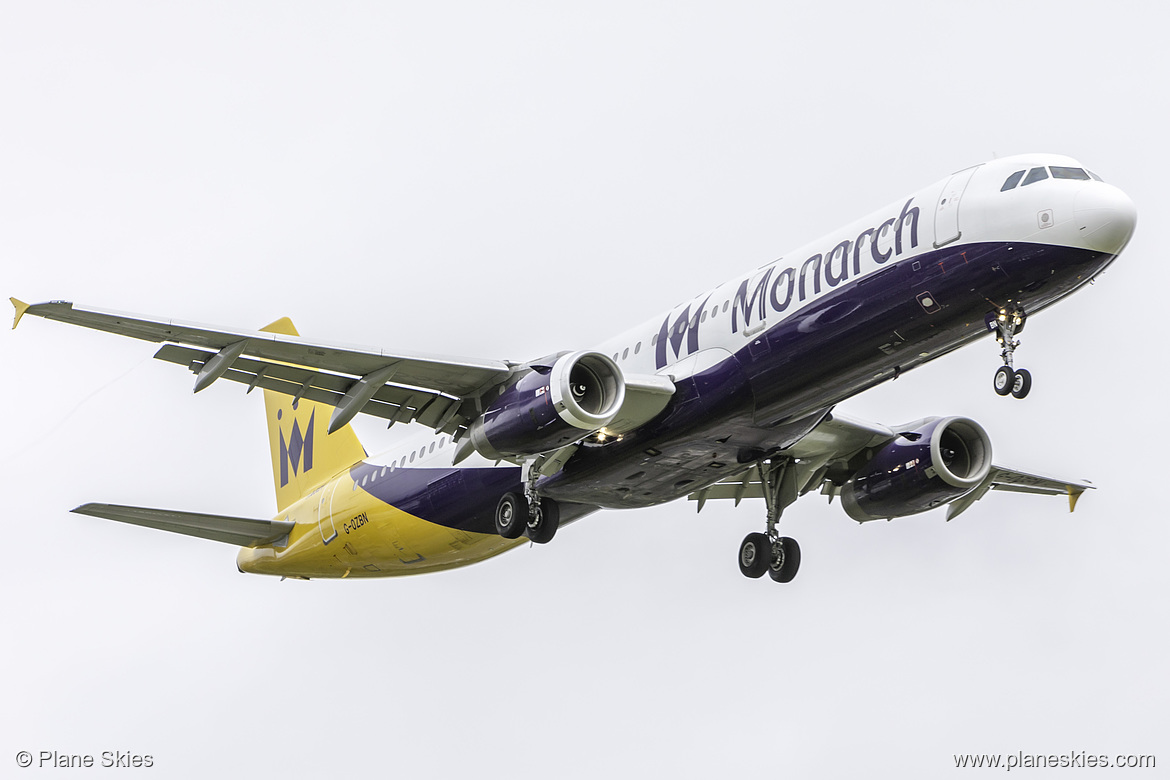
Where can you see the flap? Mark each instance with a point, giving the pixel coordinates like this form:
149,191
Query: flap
460,377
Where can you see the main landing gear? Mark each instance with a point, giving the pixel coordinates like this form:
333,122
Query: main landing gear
529,515
778,556
1005,325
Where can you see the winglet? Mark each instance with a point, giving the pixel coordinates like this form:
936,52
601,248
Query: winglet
1073,495
21,308
283,326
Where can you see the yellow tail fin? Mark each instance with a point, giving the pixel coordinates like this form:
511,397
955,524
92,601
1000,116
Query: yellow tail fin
304,454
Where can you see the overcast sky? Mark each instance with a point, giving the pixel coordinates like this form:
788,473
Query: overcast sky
504,180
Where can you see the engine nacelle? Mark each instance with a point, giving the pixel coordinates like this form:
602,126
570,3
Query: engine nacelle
943,459
549,408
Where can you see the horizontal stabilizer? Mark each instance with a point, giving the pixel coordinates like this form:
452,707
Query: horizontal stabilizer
240,531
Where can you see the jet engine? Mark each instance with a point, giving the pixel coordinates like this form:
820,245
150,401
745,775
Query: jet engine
550,407
944,458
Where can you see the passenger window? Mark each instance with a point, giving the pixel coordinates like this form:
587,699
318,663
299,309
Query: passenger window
714,310
725,304
1012,181
637,348
412,454
625,353
1035,175
703,316
1069,173
442,441
654,339
432,446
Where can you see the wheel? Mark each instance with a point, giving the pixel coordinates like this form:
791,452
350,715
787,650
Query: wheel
1004,377
1022,383
550,519
789,561
511,516
755,554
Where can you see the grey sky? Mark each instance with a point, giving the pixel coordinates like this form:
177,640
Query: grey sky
503,181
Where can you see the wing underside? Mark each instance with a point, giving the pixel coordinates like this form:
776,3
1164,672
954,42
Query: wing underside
820,461
443,393
437,391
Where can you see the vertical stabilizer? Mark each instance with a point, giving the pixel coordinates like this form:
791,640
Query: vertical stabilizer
304,453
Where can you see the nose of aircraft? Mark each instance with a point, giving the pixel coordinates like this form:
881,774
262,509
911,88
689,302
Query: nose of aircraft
1105,217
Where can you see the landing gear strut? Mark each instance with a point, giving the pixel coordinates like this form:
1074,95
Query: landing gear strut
1005,325
770,552
536,517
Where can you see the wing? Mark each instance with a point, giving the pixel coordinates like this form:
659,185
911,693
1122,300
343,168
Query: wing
443,393
822,460
1002,478
240,531
824,451
439,392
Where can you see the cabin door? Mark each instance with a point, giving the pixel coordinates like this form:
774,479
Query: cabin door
946,212
325,513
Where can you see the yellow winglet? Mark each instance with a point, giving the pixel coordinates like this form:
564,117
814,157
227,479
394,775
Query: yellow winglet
21,308
1073,495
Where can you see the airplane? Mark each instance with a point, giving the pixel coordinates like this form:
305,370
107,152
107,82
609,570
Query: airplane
729,395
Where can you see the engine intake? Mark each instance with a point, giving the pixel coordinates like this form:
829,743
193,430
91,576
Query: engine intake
943,459
550,407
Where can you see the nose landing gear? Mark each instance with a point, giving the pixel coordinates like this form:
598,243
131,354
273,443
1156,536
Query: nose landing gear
1005,324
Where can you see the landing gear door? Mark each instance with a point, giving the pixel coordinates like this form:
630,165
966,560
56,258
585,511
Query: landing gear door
946,212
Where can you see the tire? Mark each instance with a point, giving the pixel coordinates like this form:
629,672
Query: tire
791,562
550,520
1004,379
511,516
755,555
1022,384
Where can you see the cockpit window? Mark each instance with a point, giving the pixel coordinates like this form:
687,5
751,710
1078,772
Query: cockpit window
1012,181
1095,177
1035,175
1069,173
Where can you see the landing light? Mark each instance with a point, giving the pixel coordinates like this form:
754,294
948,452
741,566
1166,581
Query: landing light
604,435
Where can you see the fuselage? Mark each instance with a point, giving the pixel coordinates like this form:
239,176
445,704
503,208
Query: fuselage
757,362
